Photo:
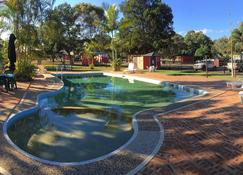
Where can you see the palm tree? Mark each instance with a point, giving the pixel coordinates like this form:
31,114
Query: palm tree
24,12
111,26
8,13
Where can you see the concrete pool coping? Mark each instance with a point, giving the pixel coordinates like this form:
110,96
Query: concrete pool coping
146,126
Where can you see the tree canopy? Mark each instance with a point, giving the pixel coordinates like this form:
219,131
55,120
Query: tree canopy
146,25
222,47
237,37
198,45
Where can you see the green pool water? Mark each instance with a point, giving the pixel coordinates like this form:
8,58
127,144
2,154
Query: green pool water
90,118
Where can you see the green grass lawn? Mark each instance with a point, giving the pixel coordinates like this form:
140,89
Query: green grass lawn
78,68
212,74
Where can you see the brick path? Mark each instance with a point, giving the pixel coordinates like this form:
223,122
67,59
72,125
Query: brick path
9,100
206,138
11,158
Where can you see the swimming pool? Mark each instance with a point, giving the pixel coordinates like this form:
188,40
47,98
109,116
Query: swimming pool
90,118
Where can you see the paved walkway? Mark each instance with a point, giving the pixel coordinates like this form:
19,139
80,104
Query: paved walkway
8,100
205,138
10,103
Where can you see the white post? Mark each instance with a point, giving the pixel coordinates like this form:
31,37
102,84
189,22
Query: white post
207,66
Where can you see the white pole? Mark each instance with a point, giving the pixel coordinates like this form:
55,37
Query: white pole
232,60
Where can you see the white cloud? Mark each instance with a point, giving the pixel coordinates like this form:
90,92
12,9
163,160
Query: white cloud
204,31
207,31
183,33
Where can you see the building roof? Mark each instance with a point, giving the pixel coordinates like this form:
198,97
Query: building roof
150,54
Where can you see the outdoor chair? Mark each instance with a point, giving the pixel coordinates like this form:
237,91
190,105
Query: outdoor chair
63,67
60,68
10,80
131,68
234,84
151,68
68,67
241,96
3,81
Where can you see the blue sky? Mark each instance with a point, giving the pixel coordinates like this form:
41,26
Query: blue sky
212,17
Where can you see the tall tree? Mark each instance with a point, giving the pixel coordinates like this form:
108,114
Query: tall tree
237,37
51,32
111,25
198,44
65,18
202,51
146,24
222,47
15,13
22,17
176,47
90,19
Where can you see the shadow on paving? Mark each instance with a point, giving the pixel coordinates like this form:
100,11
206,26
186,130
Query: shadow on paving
216,85
8,101
203,139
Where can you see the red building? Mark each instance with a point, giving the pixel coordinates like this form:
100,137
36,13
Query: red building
185,59
145,61
86,60
99,59
102,58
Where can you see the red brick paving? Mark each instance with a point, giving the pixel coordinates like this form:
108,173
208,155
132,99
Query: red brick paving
205,138
8,100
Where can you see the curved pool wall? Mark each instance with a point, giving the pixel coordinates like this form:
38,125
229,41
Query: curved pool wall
197,92
18,116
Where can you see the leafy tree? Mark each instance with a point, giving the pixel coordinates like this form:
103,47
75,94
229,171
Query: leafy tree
10,14
111,16
71,28
102,42
198,44
111,26
176,47
89,51
15,13
28,38
90,18
237,37
22,18
146,25
51,35
222,47
99,43
65,18
203,51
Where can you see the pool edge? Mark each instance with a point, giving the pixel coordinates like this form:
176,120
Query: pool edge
134,125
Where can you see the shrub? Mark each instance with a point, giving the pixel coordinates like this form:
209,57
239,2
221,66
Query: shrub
25,70
91,66
116,64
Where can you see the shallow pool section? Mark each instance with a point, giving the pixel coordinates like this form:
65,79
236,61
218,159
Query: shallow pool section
90,118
